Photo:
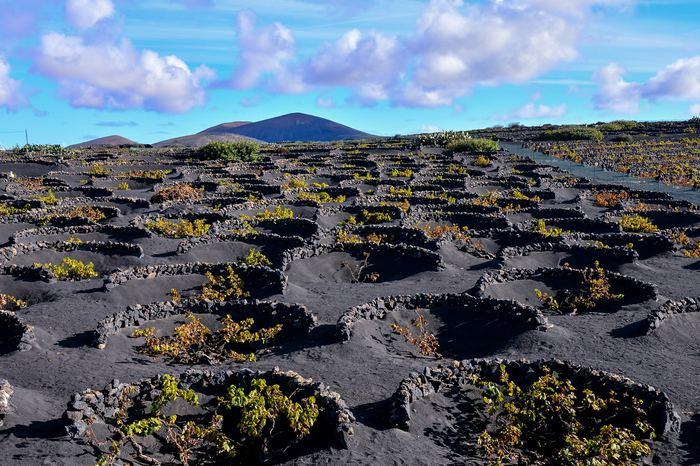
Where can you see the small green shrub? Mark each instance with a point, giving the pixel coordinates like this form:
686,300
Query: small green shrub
552,422
150,175
98,169
49,198
241,427
619,125
180,228
396,191
264,408
6,209
70,269
321,198
572,133
375,217
236,151
294,184
194,343
481,162
278,213
224,287
593,292
542,228
637,224
407,173
10,303
478,145
256,258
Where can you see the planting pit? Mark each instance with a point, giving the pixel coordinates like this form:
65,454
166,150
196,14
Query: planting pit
452,325
445,405
92,414
565,290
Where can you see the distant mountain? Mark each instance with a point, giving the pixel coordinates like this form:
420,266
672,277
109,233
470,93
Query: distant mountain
215,133
109,141
225,127
200,139
297,127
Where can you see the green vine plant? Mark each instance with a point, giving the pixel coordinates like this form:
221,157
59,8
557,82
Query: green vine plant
180,228
321,197
10,303
594,292
255,258
637,224
373,218
84,212
689,248
223,287
548,231
194,343
70,269
241,427
552,422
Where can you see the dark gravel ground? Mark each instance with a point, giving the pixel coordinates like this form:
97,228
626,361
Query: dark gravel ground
365,370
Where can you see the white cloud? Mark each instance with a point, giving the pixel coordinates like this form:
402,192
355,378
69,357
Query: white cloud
456,45
325,102
84,14
679,80
260,51
695,110
367,63
614,93
412,95
430,129
501,41
116,75
533,110
11,96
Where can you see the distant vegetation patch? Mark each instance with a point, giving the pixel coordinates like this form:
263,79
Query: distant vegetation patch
619,125
237,151
474,145
457,141
572,133
179,229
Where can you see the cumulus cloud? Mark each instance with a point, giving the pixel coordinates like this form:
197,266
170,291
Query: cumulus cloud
84,14
456,45
325,102
678,81
11,97
430,129
367,63
115,75
615,94
533,110
261,50
502,41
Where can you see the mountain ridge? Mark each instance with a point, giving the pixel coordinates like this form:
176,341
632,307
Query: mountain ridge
107,141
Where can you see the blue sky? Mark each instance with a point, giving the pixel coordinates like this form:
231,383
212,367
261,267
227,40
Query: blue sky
149,70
